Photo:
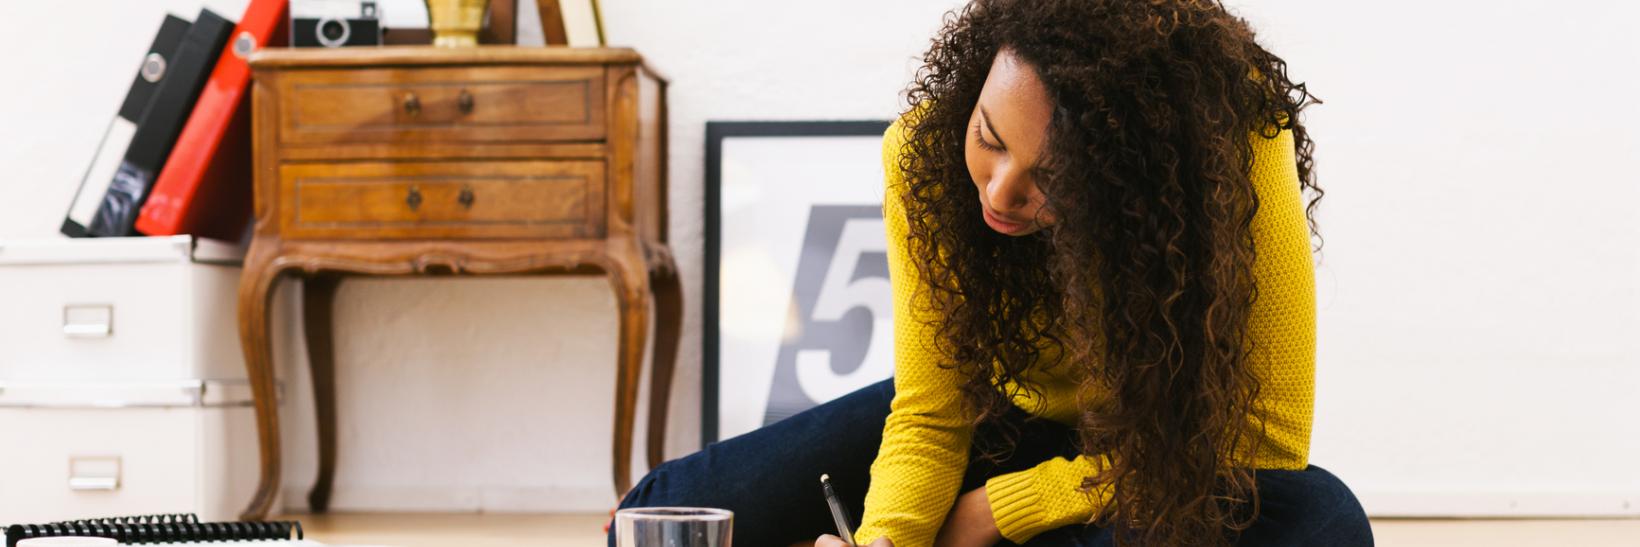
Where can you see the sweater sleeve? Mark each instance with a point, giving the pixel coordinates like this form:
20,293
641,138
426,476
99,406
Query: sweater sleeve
1281,332
924,452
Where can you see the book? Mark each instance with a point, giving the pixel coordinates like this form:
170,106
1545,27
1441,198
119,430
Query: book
205,186
163,529
157,130
117,137
583,24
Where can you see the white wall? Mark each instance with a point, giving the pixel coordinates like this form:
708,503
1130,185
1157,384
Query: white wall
1478,298
1478,291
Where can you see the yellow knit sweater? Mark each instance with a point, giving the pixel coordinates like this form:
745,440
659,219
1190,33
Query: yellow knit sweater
924,452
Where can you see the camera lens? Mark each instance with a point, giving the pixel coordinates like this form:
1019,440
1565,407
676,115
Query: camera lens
333,32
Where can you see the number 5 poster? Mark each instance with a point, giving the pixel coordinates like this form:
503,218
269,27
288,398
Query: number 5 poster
798,305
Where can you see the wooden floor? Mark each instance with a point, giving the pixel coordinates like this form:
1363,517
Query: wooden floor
582,530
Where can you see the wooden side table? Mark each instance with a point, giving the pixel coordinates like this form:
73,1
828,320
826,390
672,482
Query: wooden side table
487,160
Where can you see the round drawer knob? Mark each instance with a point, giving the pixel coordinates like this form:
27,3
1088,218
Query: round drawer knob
466,197
465,102
414,199
412,105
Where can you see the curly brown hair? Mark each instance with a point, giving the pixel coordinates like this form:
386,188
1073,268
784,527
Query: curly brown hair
1145,281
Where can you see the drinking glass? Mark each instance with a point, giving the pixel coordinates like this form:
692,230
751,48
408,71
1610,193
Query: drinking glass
673,527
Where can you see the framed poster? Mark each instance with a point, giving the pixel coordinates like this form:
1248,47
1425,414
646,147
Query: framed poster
798,305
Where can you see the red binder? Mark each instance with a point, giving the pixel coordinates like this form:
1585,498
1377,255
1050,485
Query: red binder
205,187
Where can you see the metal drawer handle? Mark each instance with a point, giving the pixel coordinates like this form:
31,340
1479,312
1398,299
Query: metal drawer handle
465,101
466,198
94,473
88,320
412,105
414,199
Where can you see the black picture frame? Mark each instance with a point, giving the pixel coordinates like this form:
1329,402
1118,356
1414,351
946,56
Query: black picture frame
717,132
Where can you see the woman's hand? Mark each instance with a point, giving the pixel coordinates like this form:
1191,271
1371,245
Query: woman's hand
970,523
829,540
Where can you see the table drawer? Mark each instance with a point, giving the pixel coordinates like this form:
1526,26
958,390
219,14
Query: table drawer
441,104
408,200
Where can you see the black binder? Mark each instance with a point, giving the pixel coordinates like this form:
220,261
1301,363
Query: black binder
117,138
171,528
157,130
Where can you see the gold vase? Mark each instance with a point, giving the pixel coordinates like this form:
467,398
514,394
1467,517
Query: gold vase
455,23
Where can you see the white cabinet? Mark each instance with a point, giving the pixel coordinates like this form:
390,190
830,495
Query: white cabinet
122,384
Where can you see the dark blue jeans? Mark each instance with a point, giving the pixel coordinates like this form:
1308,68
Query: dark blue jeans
770,478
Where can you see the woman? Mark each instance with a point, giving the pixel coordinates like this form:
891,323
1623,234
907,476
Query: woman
1116,341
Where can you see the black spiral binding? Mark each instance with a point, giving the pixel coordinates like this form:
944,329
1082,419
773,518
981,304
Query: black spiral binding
136,519
160,528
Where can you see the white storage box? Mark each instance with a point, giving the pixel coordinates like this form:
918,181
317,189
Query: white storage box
82,450
119,309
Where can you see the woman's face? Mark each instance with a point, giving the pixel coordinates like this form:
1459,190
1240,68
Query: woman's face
1006,136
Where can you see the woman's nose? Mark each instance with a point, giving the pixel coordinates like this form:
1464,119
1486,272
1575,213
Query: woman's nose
1008,193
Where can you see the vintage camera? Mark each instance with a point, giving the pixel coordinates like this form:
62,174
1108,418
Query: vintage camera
335,23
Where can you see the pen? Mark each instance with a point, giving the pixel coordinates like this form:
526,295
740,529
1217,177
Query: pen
844,530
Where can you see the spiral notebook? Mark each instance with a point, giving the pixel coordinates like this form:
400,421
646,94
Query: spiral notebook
167,529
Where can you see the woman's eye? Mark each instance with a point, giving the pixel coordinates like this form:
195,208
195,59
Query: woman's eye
979,138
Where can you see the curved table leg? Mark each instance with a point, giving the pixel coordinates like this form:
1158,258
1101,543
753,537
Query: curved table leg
629,277
256,285
318,297
668,327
